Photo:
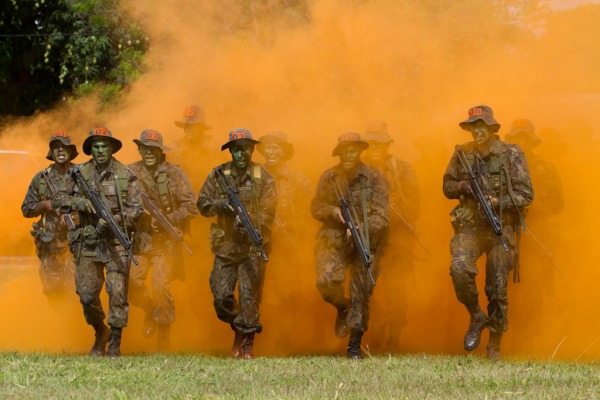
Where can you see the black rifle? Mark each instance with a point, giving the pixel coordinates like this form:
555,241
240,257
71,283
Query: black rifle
240,210
410,227
164,222
481,197
363,251
103,212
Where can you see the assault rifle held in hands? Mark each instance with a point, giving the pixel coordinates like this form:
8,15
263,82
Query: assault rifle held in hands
103,212
481,197
240,210
363,251
164,221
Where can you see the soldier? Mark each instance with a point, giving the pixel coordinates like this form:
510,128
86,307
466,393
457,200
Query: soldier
237,258
168,187
95,245
503,175
194,145
366,189
400,240
50,232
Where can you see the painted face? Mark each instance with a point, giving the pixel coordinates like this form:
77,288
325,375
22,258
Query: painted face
376,152
101,151
241,154
194,130
481,132
151,155
522,140
60,152
273,153
350,156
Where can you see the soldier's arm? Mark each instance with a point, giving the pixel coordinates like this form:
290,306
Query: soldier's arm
379,215
186,198
554,202
268,200
32,204
134,207
451,179
520,180
320,206
409,193
207,197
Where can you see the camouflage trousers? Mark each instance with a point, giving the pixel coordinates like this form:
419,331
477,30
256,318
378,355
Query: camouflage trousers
89,279
333,265
158,301
466,247
246,272
57,271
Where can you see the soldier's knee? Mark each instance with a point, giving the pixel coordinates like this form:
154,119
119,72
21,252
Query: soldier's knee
461,273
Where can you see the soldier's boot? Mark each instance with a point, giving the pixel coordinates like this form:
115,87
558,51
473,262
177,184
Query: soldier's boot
493,346
237,341
164,338
354,351
341,328
102,334
114,343
246,346
476,326
149,327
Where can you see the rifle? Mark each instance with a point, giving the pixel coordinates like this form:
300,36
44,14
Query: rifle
164,222
240,210
410,227
103,212
363,251
545,249
51,185
481,198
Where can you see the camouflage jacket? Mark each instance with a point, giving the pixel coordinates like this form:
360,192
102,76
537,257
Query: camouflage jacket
549,200
177,199
292,187
40,189
257,191
366,180
186,152
502,169
116,179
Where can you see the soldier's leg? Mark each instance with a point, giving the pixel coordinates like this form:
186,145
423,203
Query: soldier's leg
117,276
140,295
164,311
223,278
52,274
465,251
248,320
331,274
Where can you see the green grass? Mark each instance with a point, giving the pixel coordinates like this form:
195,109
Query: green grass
189,376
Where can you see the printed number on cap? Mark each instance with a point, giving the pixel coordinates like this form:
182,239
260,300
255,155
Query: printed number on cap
60,134
520,123
238,135
152,135
350,137
189,112
477,111
101,131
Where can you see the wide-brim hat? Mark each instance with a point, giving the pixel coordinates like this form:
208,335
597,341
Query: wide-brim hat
523,127
349,138
192,115
239,135
279,138
101,133
483,113
151,138
62,137
377,131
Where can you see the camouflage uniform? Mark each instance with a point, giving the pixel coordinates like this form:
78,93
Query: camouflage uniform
50,233
154,246
236,259
506,174
335,256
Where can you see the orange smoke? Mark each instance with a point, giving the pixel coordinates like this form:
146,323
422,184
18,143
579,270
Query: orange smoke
317,71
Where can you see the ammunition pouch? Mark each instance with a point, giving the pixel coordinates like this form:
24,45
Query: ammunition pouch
90,237
217,237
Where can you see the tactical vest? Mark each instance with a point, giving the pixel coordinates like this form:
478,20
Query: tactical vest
161,185
122,180
43,189
248,194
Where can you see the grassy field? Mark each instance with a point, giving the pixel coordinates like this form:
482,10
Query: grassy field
189,376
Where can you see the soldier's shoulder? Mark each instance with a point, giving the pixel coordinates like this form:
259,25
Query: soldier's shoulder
467,147
397,164
136,167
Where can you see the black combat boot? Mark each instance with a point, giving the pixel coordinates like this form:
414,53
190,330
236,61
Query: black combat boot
237,341
102,335
354,345
114,343
246,346
493,346
341,328
164,337
476,326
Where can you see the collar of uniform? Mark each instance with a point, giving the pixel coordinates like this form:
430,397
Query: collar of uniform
108,167
495,146
361,170
247,171
283,171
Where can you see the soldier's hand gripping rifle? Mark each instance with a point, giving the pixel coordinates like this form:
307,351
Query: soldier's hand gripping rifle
103,212
363,251
164,221
66,218
240,210
481,197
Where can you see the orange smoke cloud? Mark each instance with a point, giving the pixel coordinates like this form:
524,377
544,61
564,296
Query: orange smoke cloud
317,71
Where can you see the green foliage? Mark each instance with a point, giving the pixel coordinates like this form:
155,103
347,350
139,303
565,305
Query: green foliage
50,50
